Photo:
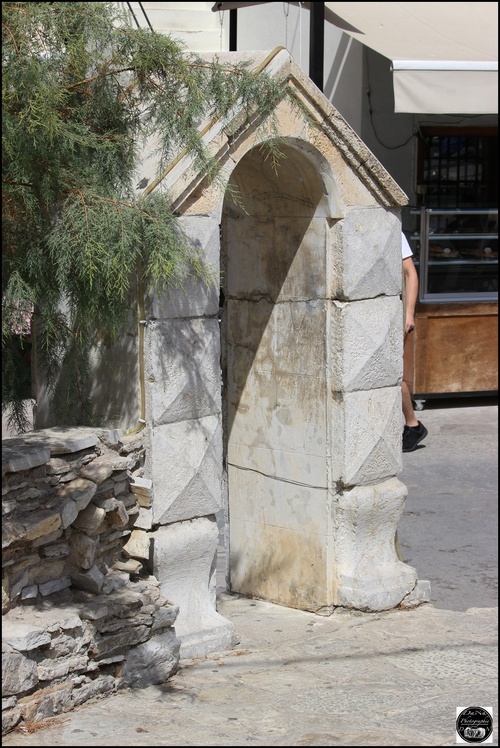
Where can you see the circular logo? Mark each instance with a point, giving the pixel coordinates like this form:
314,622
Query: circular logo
474,724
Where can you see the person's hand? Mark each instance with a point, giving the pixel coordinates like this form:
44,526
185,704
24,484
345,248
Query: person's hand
409,323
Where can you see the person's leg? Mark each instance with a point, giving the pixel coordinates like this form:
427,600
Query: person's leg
407,404
414,431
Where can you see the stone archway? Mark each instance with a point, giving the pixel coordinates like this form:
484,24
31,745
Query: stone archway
274,342
309,427
313,359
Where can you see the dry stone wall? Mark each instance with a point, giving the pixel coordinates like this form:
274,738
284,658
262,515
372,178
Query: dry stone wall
82,614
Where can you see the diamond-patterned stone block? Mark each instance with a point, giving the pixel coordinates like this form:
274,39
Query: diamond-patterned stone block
366,255
367,344
183,370
196,298
186,460
366,429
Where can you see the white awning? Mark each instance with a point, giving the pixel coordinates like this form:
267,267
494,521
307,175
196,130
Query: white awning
444,55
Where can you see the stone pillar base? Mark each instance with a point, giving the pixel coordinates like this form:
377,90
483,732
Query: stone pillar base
184,562
369,574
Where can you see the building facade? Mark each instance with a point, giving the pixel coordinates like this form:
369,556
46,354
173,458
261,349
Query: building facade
277,402
418,82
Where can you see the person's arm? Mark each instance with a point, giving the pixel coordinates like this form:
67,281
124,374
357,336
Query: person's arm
411,292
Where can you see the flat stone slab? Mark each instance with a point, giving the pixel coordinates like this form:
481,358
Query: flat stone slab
35,447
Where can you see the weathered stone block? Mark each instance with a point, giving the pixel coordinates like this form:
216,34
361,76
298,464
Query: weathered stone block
152,662
91,580
100,685
17,455
185,384
265,245
369,574
138,545
54,585
264,499
117,517
55,550
69,512
283,563
50,669
41,523
23,637
131,566
104,646
46,703
90,519
366,428
19,673
184,561
366,255
277,379
79,490
366,344
83,549
142,489
144,519
195,299
186,459
47,570
98,470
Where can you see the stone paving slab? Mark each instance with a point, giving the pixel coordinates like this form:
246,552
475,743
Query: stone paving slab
298,679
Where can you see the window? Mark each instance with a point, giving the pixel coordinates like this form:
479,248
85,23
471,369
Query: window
458,171
454,230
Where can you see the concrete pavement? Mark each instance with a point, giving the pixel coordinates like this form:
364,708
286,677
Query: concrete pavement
449,528
391,678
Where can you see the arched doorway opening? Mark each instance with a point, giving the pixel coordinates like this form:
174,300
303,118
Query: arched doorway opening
274,322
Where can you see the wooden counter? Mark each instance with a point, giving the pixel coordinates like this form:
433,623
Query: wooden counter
455,348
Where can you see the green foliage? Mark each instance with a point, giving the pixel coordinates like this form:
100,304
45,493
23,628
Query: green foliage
82,91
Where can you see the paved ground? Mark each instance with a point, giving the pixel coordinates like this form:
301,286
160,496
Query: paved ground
394,678
449,529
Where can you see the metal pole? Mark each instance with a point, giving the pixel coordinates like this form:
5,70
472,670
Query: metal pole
316,42
233,29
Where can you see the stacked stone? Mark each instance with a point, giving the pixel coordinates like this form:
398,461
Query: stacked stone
67,517
71,653
81,615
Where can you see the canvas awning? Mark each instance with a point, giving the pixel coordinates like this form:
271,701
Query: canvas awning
444,55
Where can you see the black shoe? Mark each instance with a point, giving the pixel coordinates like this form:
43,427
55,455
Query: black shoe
412,436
